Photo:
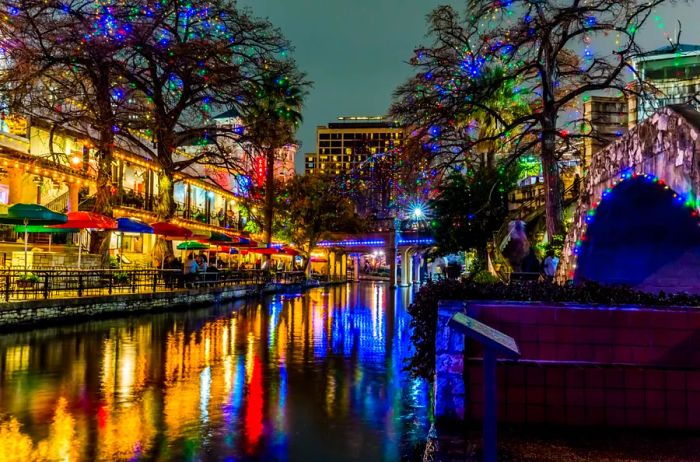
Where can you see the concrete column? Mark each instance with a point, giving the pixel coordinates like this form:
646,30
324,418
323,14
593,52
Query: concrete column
356,269
406,267
417,263
331,264
14,181
344,267
73,196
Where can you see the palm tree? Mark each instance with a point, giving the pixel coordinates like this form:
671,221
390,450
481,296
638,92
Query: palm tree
271,120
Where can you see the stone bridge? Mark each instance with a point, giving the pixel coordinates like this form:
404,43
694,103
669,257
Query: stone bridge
636,222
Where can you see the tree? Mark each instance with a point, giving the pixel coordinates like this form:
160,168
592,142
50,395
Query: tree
470,207
311,207
186,62
528,46
59,71
271,120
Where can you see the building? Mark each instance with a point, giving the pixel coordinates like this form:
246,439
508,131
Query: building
360,150
671,76
59,170
606,118
251,162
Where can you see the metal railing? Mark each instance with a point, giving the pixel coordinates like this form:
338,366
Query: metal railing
45,284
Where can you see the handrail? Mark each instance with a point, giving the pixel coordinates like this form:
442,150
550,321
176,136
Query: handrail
55,283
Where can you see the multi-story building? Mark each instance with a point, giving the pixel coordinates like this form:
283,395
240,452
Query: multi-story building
362,151
606,118
58,169
671,76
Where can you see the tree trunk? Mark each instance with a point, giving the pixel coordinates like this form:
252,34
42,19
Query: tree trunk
165,209
552,185
269,196
99,243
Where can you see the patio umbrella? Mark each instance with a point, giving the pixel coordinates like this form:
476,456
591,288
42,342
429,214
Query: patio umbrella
192,245
130,225
30,214
45,229
290,251
216,238
87,220
265,251
171,231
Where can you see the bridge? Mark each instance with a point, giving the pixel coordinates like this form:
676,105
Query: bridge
404,240
636,222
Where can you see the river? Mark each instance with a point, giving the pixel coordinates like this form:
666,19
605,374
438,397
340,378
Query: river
298,377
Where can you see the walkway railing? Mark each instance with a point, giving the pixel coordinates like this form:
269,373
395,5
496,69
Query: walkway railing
45,284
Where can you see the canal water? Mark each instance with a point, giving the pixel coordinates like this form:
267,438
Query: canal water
305,377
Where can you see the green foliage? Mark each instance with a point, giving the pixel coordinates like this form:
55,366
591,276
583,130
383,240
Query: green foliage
424,309
120,277
470,207
484,277
28,278
310,207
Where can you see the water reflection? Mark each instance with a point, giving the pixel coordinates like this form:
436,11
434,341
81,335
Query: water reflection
312,377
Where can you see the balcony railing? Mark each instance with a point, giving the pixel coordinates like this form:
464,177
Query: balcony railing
138,202
19,285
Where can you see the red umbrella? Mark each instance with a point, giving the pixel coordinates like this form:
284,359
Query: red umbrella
265,251
87,220
290,251
171,231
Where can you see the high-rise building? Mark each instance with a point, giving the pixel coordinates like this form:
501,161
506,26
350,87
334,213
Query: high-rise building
344,146
362,151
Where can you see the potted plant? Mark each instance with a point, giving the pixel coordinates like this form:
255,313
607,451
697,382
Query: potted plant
120,277
27,280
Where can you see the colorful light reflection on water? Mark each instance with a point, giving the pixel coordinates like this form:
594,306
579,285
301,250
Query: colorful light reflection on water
288,378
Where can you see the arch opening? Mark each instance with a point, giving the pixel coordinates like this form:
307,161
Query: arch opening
642,235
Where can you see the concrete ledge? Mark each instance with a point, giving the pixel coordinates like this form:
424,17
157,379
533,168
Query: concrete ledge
34,312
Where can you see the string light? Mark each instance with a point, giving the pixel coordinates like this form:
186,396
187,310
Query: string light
589,215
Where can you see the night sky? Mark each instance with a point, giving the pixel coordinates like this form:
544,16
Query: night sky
355,50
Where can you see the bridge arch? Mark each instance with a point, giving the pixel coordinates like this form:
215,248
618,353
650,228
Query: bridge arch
662,150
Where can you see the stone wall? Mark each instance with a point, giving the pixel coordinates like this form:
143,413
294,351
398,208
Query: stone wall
581,365
45,311
665,145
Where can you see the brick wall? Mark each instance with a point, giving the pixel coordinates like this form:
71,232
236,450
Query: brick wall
584,365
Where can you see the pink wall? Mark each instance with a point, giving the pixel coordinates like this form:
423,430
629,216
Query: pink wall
593,366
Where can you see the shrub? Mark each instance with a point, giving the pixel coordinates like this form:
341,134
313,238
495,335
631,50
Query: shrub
424,308
28,278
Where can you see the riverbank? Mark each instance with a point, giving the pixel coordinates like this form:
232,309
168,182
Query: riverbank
31,313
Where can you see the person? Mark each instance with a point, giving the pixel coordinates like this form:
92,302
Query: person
550,265
265,264
168,277
366,268
189,270
576,187
202,262
531,263
280,266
